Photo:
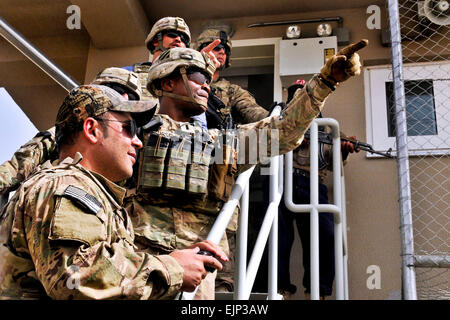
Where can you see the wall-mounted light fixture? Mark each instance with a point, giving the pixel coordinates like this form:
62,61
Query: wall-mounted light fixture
342,34
293,32
324,30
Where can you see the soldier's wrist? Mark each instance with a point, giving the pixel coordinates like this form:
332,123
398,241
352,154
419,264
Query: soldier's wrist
328,82
317,89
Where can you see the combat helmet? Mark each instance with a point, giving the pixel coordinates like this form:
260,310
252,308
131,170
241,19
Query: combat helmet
164,24
211,34
182,59
115,78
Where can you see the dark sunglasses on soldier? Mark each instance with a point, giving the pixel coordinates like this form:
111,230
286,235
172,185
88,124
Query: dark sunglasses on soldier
217,48
174,34
198,77
129,126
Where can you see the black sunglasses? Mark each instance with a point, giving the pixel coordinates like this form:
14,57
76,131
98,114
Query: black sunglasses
174,34
216,48
198,77
129,126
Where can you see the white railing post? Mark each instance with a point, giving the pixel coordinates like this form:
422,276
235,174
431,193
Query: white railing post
314,208
241,248
314,213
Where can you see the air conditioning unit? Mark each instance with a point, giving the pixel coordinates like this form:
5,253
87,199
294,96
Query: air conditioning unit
436,11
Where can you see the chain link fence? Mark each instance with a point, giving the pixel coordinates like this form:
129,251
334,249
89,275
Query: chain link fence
425,54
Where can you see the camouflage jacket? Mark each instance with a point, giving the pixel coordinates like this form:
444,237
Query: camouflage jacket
65,235
25,160
172,224
141,69
239,102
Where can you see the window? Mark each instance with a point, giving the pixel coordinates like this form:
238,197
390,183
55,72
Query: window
427,102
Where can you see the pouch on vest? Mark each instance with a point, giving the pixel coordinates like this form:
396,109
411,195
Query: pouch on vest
198,169
223,171
179,151
153,162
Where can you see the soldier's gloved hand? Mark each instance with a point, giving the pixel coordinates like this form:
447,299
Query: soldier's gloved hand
344,64
208,50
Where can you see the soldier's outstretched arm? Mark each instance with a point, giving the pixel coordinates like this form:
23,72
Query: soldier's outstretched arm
289,129
25,160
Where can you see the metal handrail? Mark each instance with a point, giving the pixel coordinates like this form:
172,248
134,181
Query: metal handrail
314,208
239,192
39,59
35,56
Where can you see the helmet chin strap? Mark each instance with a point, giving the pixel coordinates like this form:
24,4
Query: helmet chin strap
189,97
160,47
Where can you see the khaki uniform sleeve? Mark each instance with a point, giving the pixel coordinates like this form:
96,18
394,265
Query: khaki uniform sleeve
80,254
244,106
25,160
282,134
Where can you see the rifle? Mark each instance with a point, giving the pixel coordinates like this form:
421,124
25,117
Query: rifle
326,138
215,118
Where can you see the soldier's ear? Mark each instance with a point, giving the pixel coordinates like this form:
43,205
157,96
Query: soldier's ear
92,130
167,84
155,42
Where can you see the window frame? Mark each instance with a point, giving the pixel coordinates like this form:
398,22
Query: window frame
375,78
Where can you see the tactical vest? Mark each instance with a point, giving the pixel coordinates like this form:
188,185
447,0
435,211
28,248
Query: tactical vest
141,69
187,168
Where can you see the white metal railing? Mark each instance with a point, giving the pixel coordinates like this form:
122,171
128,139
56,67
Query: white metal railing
35,56
240,193
245,274
314,208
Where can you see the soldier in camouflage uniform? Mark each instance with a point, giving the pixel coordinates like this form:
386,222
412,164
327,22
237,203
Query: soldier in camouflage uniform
166,33
177,200
238,101
65,230
244,109
42,147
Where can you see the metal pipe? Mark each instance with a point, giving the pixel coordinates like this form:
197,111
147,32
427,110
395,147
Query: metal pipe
314,207
404,186
344,234
338,250
261,241
241,248
35,56
315,20
224,217
273,238
314,214
432,261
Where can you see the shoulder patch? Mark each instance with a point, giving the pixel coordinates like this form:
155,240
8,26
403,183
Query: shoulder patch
84,198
